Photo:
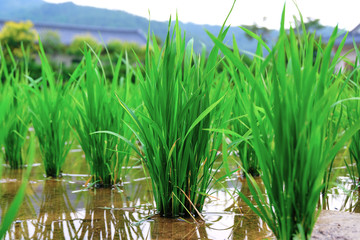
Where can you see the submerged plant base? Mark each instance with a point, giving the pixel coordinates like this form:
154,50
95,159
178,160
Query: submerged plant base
18,165
52,174
65,210
253,172
102,185
14,162
186,215
54,177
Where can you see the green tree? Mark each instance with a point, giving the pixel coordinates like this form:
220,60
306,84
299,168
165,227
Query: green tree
310,24
115,47
52,42
261,31
77,45
14,34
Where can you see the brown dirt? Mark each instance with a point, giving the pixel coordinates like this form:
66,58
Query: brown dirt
337,225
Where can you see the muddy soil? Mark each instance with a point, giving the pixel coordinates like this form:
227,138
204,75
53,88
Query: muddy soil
337,225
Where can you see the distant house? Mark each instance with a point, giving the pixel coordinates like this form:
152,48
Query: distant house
67,33
353,36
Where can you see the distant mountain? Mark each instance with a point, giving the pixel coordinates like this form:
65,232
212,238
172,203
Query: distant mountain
9,7
69,13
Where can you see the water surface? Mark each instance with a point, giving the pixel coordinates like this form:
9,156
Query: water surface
65,209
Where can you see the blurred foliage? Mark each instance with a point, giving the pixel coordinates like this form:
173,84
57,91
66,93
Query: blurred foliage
77,45
64,58
115,47
310,24
14,34
52,42
261,31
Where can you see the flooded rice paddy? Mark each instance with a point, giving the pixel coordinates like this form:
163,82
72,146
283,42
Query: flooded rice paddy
65,209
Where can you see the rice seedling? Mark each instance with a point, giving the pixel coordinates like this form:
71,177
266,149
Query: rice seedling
240,122
173,126
105,154
294,133
355,158
241,125
17,118
49,102
353,114
11,103
4,108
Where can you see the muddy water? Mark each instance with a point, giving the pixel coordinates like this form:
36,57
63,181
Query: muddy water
65,209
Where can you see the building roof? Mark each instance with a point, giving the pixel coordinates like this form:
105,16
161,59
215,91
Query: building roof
353,35
67,33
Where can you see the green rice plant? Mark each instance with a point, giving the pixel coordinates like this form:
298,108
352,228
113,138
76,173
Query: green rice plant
6,102
49,108
17,118
295,135
353,114
355,158
241,125
105,154
173,126
240,122
4,108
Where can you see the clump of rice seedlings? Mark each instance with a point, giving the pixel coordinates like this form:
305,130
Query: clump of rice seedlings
354,150
290,126
240,122
49,108
97,112
4,108
17,121
353,114
17,118
248,159
173,125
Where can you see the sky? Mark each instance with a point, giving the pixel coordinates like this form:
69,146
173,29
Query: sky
267,13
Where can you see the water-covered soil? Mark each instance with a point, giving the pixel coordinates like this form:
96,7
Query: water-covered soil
65,209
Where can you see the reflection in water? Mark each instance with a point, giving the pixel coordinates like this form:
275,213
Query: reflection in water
108,215
344,196
100,213
64,212
9,186
49,215
246,217
356,208
237,220
177,228
351,199
56,209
